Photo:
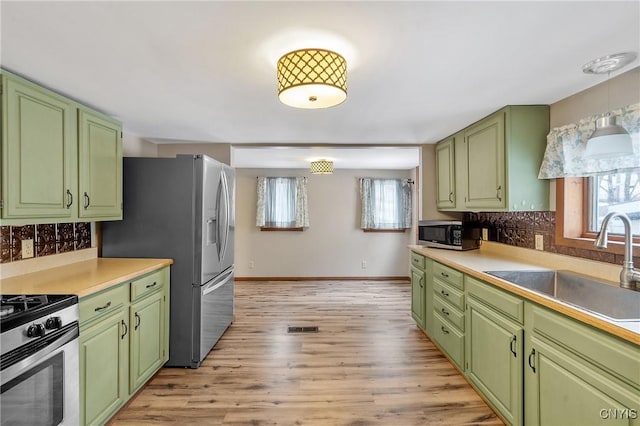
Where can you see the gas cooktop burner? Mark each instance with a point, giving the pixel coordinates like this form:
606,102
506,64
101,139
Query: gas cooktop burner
19,309
6,311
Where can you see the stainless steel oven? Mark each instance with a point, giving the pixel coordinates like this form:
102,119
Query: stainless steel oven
39,369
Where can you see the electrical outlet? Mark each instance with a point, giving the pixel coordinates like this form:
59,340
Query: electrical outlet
27,248
485,234
364,264
252,264
539,242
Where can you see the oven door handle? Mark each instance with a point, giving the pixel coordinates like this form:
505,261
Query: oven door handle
63,337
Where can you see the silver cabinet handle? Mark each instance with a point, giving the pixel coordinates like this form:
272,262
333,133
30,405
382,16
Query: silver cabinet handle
444,330
152,285
499,193
87,200
444,293
444,275
512,346
444,311
69,198
450,197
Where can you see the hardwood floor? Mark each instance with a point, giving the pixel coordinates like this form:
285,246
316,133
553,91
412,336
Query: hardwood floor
369,364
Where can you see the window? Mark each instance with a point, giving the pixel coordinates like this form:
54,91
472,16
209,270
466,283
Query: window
282,203
618,192
386,204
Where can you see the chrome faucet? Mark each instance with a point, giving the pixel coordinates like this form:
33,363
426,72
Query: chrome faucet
629,275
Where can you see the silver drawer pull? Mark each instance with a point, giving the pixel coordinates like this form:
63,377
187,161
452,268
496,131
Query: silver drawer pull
102,308
152,285
444,293
444,275
444,330
444,311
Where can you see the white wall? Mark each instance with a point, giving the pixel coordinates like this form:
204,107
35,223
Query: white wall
133,146
333,245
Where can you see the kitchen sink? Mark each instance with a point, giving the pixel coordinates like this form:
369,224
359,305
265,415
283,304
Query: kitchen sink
615,303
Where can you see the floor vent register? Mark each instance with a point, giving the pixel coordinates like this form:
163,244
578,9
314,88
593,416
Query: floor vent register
311,329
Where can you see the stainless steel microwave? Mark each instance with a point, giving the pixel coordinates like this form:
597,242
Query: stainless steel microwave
448,234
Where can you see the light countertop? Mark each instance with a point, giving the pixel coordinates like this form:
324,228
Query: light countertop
496,258
81,278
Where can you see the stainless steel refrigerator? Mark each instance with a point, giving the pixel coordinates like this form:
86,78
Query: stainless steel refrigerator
182,208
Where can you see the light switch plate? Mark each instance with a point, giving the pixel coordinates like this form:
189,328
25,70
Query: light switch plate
539,242
27,248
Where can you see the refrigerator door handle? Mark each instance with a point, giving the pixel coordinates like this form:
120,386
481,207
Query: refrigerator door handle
225,193
211,287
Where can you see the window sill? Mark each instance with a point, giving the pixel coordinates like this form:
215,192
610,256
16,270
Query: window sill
264,228
385,230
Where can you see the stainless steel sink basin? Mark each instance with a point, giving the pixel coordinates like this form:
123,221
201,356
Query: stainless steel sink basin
615,303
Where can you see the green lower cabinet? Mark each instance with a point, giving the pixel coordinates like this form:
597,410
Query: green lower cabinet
428,296
104,360
418,295
564,390
147,339
494,361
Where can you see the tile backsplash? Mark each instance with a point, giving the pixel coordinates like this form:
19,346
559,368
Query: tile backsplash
519,229
47,239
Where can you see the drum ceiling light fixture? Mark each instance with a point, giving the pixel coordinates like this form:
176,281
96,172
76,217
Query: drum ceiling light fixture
312,78
322,167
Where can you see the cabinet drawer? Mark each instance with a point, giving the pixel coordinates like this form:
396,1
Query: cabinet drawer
147,284
509,305
98,305
619,358
417,260
449,275
448,293
448,312
449,339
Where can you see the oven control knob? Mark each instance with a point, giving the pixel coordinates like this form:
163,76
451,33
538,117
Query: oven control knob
53,323
35,330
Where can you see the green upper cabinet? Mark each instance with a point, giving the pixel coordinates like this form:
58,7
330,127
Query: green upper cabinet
497,161
38,152
100,166
445,172
55,151
485,179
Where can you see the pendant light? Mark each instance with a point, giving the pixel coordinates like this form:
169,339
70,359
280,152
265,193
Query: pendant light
322,167
609,139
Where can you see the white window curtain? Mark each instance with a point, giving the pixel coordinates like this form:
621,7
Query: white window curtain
282,202
386,203
564,155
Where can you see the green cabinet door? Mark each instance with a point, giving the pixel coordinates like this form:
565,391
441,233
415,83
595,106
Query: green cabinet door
38,152
485,164
562,389
100,166
494,358
428,296
147,339
445,175
418,295
104,368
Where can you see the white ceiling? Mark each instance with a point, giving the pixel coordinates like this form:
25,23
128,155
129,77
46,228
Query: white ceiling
204,71
394,158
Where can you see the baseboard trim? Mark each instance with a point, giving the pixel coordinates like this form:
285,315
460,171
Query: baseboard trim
394,278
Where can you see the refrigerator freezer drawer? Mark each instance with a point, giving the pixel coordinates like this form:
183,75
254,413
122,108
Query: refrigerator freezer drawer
216,310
